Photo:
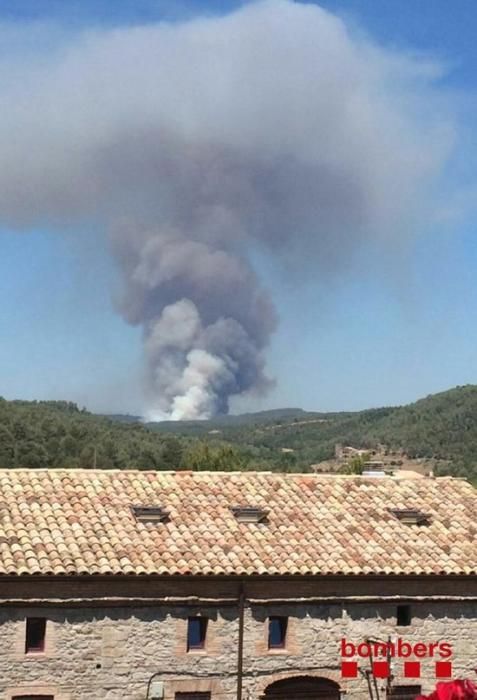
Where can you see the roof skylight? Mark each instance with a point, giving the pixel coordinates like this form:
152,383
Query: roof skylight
150,514
249,514
410,516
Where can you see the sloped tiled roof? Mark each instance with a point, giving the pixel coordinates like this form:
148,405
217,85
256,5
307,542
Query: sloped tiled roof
67,522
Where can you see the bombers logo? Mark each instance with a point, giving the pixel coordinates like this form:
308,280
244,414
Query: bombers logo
381,653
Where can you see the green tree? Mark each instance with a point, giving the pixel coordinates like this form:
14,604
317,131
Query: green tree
31,454
172,453
356,464
7,447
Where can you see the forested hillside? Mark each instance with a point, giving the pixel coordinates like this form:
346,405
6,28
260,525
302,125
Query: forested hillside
57,433
442,426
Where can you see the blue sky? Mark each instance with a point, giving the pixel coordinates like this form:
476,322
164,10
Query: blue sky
383,333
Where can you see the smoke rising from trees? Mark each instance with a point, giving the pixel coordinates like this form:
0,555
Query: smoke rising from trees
273,129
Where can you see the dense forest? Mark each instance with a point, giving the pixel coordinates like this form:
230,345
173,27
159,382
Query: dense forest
59,434
441,426
56,433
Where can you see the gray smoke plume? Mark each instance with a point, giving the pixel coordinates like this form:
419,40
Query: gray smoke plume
271,130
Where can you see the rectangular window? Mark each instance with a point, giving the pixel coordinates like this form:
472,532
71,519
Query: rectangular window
403,615
192,696
404,692
35,634
33,697
277,632
196,633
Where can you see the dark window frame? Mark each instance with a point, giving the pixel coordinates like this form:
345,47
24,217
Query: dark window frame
201,623
404,692
277,628
35,635
403,616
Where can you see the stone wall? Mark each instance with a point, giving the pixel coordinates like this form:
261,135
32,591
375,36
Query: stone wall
110,653
317,631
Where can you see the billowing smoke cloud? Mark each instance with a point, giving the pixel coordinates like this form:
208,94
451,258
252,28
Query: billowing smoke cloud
194,145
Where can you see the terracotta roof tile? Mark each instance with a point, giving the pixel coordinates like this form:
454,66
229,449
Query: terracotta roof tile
81,522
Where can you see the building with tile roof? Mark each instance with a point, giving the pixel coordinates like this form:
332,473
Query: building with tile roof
210,586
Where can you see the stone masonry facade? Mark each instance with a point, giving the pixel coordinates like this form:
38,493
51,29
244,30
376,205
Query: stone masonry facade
110,651
101,571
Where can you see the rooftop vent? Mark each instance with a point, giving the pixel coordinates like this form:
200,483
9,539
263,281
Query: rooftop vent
411,516
150,514
247,514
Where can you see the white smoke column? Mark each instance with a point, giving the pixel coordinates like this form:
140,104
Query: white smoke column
192,368
194,145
